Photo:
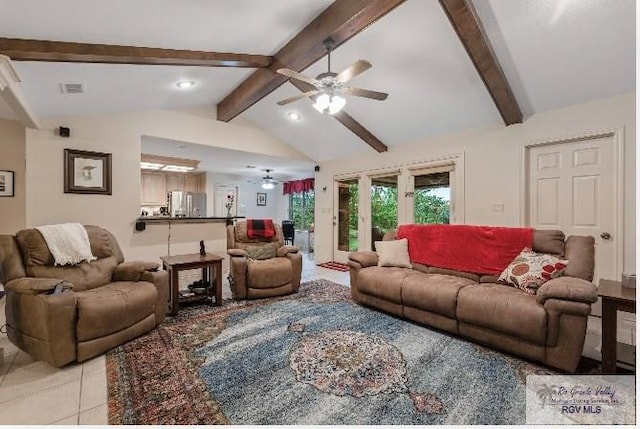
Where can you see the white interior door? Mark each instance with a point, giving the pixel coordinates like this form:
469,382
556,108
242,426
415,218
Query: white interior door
572,188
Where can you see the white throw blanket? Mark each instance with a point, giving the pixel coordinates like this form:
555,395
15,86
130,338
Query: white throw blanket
68,243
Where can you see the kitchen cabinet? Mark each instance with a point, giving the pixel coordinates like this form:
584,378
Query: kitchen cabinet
154,189
195,182
175,182
156,184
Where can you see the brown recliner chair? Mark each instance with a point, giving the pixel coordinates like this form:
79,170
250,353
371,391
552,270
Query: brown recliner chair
105,303
251,276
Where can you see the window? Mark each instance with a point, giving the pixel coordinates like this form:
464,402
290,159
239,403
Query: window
301,209
384,206
432,195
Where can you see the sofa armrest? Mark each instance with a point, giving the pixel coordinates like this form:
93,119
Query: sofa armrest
160,279
238,253
568,288
35,286
131,271
364,258
286,249
238,276
42,324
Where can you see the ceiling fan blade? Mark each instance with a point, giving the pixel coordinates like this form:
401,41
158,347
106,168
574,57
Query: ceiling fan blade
298,76
359,92
297,97
353,70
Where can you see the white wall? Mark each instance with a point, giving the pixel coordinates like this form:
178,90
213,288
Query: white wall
493,163
247,196
12,155
120,135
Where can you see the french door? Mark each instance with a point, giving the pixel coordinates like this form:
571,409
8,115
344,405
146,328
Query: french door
368,205
346,218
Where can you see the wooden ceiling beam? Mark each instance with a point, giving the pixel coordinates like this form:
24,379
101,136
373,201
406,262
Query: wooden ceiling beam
341,20
348,121
468,26
358,129
72,52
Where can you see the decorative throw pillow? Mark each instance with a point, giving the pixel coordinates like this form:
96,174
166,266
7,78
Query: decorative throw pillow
393,253
529,270
261,252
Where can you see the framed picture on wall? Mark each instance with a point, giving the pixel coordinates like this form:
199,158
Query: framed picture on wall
87,172
6,183
262,199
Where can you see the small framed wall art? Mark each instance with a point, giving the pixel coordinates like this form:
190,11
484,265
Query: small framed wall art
262,199
6,183
87,172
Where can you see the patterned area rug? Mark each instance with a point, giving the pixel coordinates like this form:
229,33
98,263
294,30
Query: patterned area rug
315,357
338,266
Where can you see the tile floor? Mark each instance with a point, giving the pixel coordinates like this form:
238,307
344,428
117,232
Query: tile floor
36,393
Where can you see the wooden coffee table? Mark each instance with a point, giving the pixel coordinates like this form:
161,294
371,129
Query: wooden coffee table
614,297
208,262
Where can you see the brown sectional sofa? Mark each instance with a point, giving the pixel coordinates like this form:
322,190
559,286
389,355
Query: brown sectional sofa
105,302
548,327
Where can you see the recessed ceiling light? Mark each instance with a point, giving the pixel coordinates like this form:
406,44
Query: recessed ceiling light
293,116
185,84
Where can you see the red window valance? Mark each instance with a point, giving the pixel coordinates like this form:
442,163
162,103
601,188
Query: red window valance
297,186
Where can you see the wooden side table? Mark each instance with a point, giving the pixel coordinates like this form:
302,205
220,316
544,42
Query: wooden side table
614,298
208,262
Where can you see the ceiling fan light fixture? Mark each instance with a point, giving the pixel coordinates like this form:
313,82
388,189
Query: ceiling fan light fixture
336,105
322,103
268,184
329,104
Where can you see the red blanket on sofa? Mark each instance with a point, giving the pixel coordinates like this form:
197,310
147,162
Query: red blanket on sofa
475,249
260,228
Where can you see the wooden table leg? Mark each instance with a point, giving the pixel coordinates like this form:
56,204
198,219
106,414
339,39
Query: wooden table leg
218,268
175,285
609,340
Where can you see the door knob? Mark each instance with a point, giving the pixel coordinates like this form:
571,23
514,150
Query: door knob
605,235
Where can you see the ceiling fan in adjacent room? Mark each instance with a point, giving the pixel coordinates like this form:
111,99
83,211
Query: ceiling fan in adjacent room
268,182
330,87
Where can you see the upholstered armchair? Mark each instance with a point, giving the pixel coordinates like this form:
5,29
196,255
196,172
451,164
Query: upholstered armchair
261,267
103,303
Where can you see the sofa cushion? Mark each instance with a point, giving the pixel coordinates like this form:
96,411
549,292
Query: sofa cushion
267,251
436,293
580,252
100,241
242,236
466,275
548,241
530,270
503,309
383,282
83,276
114,307
269,273
394,253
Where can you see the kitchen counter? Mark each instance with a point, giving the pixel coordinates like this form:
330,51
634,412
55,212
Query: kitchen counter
175,220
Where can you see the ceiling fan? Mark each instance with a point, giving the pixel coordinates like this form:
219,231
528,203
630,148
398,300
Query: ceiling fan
330,86
268,181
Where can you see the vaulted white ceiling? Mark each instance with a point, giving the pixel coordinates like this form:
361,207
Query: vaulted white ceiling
554,53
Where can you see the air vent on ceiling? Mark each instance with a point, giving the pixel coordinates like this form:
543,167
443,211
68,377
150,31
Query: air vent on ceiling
72,88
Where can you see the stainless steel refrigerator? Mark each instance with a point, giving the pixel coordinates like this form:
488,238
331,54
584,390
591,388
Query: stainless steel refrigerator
187,204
